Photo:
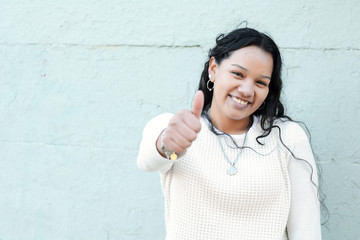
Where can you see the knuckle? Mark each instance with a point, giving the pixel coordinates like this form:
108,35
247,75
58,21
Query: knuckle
191,136
173,121
178,149
177,118
181,114
194,137
197,127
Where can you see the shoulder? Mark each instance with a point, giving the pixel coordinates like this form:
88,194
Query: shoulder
291,132
288,125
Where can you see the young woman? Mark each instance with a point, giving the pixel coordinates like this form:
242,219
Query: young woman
234,166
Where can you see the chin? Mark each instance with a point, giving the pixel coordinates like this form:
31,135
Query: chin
238,117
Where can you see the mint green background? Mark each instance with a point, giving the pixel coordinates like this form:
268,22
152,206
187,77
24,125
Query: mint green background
79,80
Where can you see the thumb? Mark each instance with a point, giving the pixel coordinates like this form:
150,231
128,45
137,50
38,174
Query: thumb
198,103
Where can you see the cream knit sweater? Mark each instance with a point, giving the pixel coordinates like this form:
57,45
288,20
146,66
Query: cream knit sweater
270,198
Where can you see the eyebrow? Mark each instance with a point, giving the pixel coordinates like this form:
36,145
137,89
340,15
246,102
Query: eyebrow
237,65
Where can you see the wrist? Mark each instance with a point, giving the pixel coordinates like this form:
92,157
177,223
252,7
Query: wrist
158,144
165,152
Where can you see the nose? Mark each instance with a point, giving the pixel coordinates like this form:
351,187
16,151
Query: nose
246,88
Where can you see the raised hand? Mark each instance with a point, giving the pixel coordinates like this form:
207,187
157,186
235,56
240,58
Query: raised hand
183,127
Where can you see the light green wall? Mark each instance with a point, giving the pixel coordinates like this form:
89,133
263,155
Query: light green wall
79,80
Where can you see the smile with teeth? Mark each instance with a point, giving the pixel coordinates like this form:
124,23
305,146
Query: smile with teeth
238,100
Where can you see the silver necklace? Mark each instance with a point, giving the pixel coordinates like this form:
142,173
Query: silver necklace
232,170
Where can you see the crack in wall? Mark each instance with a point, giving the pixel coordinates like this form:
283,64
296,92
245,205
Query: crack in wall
320,49
60,144
101,45
162,46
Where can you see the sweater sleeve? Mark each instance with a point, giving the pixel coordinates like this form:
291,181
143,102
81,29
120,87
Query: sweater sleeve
304,218
149,159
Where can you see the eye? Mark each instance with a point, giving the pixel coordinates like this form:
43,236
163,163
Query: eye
262,83
239,74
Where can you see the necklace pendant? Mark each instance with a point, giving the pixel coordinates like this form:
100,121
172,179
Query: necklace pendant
231,170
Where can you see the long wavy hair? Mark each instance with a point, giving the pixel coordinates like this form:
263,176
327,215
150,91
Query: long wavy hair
273,109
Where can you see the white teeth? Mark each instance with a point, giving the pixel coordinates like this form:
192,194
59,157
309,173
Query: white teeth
239,100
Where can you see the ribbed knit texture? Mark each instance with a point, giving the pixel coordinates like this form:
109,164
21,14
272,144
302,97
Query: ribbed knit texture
203,202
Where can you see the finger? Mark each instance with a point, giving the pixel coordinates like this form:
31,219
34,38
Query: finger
174,147
179,145
187,132
198,104
185,118
193,122
181,141
182,133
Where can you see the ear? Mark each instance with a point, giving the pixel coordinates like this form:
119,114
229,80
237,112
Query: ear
212,68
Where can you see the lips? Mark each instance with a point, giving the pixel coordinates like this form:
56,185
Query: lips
240,101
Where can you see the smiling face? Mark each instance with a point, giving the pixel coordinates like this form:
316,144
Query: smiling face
241,85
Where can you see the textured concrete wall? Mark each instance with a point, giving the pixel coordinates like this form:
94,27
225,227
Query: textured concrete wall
79,79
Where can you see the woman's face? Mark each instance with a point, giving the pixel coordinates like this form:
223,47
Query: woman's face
241,84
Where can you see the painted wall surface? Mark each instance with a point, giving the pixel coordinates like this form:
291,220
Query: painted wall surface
80,79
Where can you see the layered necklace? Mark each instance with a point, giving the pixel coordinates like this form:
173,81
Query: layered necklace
232,170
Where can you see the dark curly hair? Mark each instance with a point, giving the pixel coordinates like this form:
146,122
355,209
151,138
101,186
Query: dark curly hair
240,38
273,109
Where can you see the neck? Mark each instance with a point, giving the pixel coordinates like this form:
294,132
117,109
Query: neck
231,126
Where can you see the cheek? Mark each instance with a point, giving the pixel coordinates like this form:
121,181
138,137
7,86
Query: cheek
263,94
266,93
219,90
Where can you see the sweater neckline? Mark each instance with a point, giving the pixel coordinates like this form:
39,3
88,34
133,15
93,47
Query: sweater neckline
236,136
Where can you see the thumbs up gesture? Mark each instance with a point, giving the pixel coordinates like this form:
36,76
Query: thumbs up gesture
183,127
